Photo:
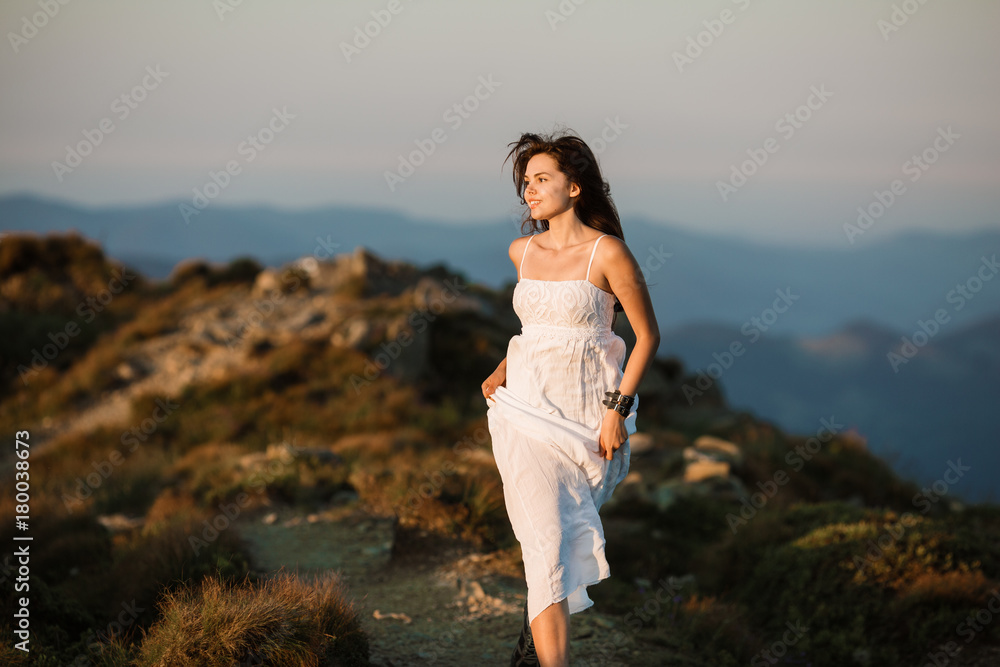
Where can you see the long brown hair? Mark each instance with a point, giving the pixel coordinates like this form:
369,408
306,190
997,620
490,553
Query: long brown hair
573,156
594,206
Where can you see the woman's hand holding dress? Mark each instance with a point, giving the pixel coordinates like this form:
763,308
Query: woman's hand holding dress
497,379
613,433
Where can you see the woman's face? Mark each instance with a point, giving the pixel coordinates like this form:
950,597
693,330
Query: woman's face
547,190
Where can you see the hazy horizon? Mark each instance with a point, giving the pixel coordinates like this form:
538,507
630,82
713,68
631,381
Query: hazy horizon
833,100
669,224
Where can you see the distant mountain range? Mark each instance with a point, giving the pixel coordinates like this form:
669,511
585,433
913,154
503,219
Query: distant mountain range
814,328
705,279
936,406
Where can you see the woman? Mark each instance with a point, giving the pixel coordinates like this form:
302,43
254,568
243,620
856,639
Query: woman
560,408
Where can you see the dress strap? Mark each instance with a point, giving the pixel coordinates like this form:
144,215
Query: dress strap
592,252
519,274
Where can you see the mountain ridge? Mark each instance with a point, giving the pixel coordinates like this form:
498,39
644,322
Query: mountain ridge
704,277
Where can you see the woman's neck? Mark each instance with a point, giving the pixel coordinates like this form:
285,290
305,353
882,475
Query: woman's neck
566,230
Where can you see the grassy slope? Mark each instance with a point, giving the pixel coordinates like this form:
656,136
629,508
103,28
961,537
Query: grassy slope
807,556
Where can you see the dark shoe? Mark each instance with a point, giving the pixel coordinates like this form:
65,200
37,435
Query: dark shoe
524,652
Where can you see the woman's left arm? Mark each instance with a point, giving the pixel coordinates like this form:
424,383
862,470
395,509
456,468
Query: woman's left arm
627,282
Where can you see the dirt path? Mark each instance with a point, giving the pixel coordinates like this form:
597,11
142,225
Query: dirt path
425,600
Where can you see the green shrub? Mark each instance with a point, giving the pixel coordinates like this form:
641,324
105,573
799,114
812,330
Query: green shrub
866,580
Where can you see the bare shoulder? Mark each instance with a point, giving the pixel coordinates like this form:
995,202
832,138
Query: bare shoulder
517,248
613,262
612,250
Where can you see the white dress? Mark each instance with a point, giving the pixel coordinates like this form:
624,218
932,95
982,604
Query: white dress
545,425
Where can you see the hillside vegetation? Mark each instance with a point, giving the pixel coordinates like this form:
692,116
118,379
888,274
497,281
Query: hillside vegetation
184,421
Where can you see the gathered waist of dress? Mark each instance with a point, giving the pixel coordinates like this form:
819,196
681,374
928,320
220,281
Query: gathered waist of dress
555,330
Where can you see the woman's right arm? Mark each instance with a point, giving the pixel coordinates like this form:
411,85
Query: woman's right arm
497,378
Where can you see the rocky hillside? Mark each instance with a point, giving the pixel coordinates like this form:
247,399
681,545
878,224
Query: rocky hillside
325,416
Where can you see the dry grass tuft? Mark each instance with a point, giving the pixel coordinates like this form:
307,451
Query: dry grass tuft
284,621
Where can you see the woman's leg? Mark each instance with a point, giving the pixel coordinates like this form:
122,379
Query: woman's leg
524,653
550,630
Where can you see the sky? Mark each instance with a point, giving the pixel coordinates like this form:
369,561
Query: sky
768,120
